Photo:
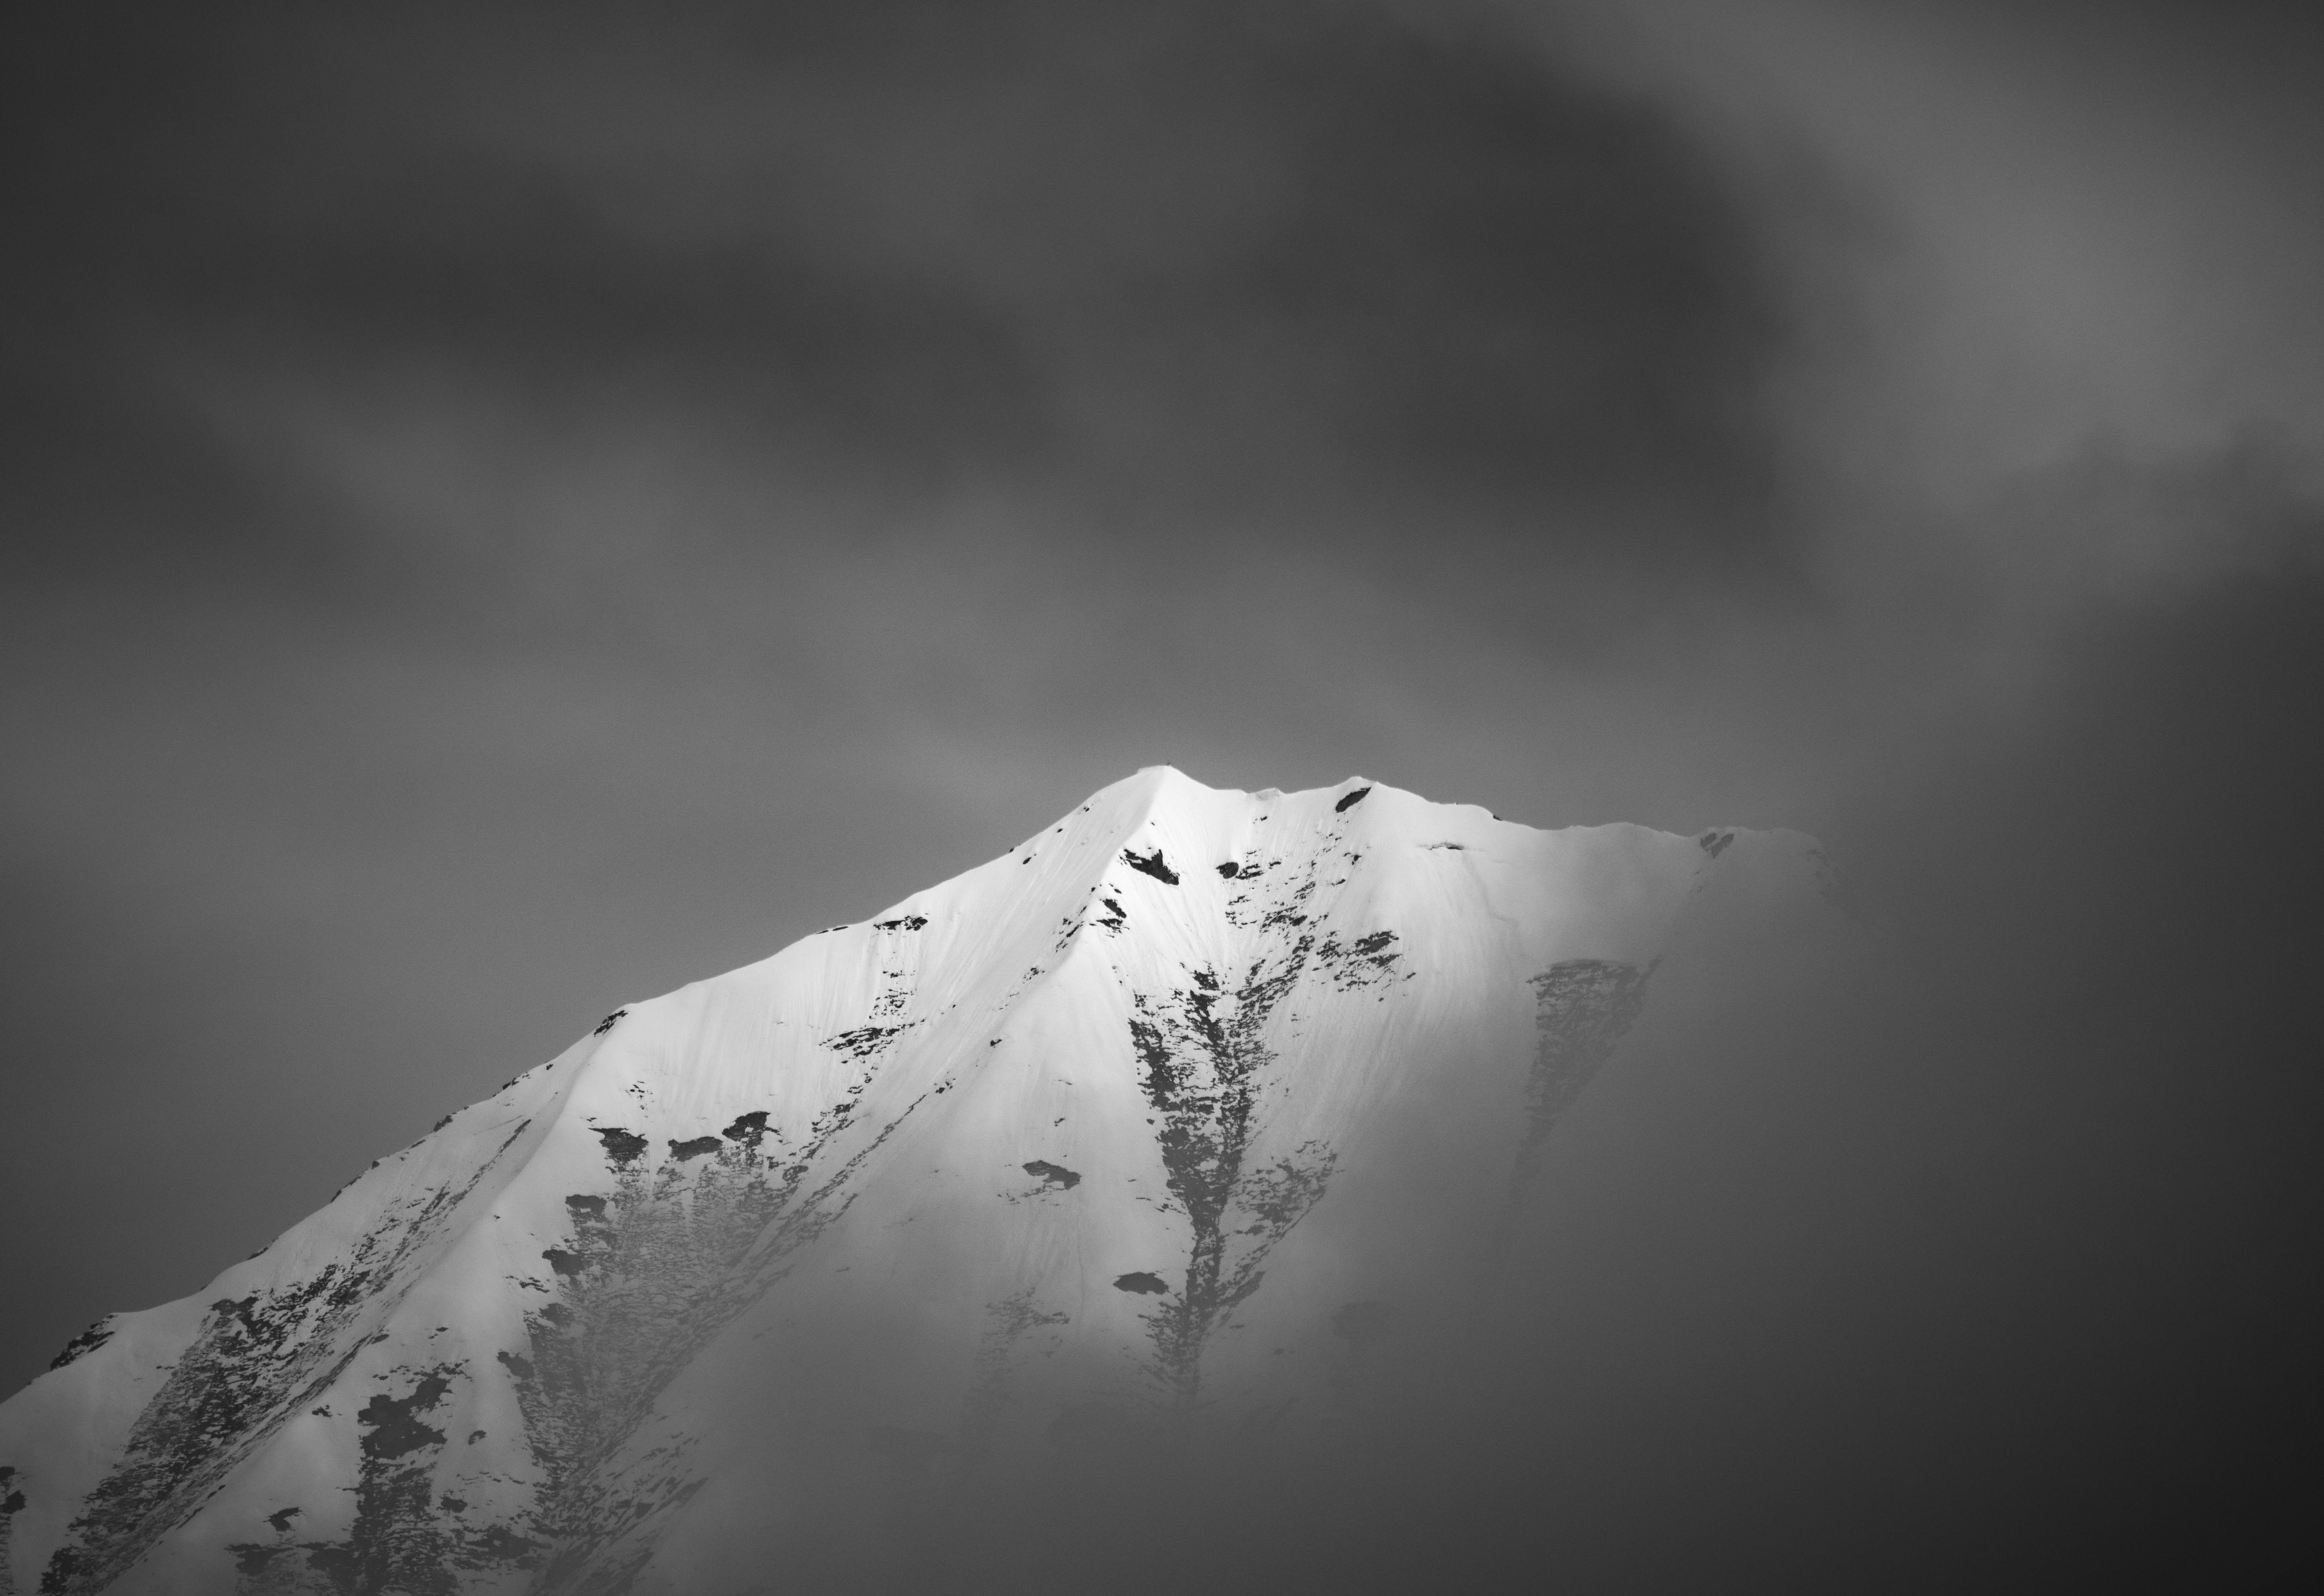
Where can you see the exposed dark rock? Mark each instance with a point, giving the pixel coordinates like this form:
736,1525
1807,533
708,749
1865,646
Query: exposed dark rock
1140,1282
1203,1067
401,1541
1352,800
395,1426
621,1146
85,1343
1367,961
864,1042
251,1558
255,1363
1058,1178
663,1270
1150,864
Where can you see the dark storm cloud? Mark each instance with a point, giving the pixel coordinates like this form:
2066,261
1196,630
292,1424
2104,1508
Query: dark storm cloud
1227,258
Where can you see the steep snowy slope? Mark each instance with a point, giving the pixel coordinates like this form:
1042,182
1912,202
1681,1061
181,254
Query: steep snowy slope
1193,1115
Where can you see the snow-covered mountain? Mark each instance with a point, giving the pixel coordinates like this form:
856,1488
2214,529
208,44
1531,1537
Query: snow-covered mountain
1201,1113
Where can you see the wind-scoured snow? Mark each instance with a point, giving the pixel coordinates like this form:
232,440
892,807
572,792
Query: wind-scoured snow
1153,1124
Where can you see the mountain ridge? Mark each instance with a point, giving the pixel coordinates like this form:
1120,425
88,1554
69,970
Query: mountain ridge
1229,1002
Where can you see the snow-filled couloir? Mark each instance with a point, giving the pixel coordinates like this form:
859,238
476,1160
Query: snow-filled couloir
1191,1114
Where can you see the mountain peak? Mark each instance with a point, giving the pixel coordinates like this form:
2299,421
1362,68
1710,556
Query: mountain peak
1112,1135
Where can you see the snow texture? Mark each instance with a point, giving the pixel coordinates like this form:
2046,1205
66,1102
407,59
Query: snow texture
1113,1134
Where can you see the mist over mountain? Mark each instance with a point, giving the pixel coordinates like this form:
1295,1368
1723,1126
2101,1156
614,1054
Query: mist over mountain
1145,1201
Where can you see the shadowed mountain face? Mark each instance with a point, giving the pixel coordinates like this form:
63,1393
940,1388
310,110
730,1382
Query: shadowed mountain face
1109,1200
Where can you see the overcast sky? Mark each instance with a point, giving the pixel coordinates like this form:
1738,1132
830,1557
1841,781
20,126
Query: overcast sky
508,510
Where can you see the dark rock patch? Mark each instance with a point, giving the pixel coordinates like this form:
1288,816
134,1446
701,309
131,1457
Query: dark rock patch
695,1148
608,1022
621,1146
864,1042
1367,961
1152,865
902,922
748,1127
1058,1177
1352,800
395,1427
1142,1282
250,1558
1203,1074
85,1343
585,1206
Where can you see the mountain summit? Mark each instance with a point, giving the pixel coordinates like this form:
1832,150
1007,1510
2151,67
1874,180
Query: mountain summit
1194,1127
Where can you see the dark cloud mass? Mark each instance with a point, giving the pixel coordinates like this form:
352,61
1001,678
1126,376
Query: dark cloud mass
510,509
1209,258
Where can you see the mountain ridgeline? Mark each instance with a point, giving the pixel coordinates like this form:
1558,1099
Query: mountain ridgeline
1096,1212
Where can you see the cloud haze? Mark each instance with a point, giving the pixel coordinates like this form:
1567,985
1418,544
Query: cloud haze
511,511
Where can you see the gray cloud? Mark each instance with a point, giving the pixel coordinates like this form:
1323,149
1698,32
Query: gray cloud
1203,265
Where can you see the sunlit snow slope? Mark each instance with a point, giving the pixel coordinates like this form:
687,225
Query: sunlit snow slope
1161,1119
